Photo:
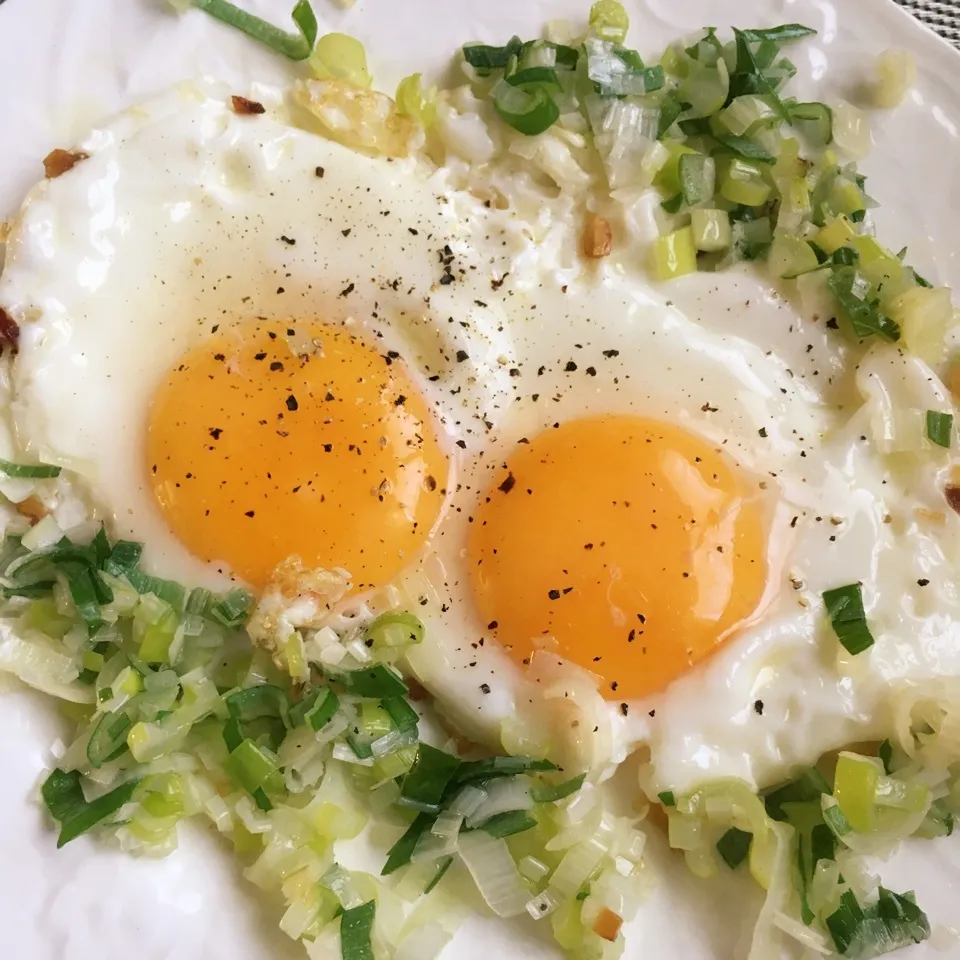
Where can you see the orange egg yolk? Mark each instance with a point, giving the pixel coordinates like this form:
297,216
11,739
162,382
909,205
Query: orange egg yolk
274,438
636,546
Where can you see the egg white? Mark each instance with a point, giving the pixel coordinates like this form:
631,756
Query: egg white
176,222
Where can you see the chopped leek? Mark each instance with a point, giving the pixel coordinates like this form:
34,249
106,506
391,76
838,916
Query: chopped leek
675,255
338,56
377,682
529,110
472,771
844,606
609,20
395,630
26,471
356,926
734,846
108,739
63,797
485,58
424,786
939,427
855,787
400,853
509,823
896,74
550,794
294,46
711,230
414,102
234,608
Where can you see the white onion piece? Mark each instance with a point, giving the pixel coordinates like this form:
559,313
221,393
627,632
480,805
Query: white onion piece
495,874
575,868
467,801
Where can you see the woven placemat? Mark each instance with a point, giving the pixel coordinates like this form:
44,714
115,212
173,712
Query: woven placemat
942,15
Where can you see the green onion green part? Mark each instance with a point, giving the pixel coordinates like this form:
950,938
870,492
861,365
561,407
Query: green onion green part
939,428
293,46
844,606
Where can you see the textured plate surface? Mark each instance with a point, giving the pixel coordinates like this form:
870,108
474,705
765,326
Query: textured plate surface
68,64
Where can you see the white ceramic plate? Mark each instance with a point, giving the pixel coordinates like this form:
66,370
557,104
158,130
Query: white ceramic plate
66,65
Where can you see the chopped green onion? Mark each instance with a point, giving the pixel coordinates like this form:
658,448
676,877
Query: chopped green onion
674,255
544,76
316,709
844,922
424,786
845,257
809,786
906,922
885,753
356,925
250,766
748,78
844,606
404,717
27,471
814,121
199,602
855,787
939,427
782,34
667,798
234,609
63,797
439,875
746,147
507,824
394,630
734,847
545,793
475,771
791,257
823,843
697,175
485,58
711,230
124,557
400,853
294,46
83,591
836,821
254,703
413,102
565,58
108,740
378,683
673,204
169,591
158,638
342,57
609,20
529,111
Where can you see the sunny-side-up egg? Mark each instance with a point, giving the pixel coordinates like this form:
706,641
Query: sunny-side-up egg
251,343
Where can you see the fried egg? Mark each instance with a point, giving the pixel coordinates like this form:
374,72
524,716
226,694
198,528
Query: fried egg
251,343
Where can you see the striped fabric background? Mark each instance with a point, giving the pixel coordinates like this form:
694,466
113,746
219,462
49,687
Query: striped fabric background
942,15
